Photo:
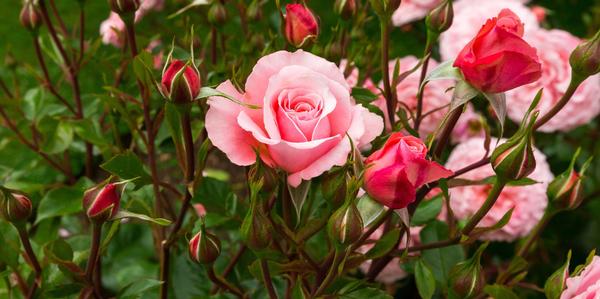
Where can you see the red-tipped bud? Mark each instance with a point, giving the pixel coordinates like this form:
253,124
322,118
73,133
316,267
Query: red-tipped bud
124,6
217,13
301,26
345,8
30,16
466,278
101,202
345,225
565,191
585,59
440,18
204,247
180,82
14,207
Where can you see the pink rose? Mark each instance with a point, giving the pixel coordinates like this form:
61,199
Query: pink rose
469,13
394,172
586,285
393,271
556,74
412,10
112,31
529,202
304,119
498,59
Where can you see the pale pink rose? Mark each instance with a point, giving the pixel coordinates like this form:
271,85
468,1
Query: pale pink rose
393,271
469,17
112,31
412,10
352,75
555,47
529,202
304,119
586,285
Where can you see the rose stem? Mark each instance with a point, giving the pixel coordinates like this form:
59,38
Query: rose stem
93,258
573,84
230,266
338,257
30,255
424,65
447,130
220,281
387,88
264,266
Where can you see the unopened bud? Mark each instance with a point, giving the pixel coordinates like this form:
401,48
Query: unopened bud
30,16
217,13
14,207
301,26
334,187
345,8
124,6
565,191
440,18
585,59
556,283
255,229
345,225
466,278
101,202
180,82
204,247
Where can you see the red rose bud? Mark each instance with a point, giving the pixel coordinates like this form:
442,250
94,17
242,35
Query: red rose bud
440,18
180,82
14,207
565,191
30,16
124,6
345,8
556,283
498,59
395,172
101,202
204,247
217,13
466,278
345,226
585,59
256,228
301,25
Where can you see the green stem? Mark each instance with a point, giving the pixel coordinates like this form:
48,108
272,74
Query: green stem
266,275
487,205
337,259
37,269
93,258
385,52
224,284
573,84
424,66
447,130
534,235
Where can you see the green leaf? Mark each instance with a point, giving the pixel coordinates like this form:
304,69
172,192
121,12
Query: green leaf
11,245
385,244
60,202
363,95
424,279
500,292
138,288
440,260
206,92
498,103
61,139
426,211
142,67
126,214
128,166
443,71
371,293
463,92
369,209
298,195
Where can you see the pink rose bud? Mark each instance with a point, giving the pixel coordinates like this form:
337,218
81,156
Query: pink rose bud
565,191
345,8
345,225
200,210
124,6
204,247
14,207
180,82
30,16
101,202
539,12
301,25
217,13
466,278
440,18
585,59
498,59
395,171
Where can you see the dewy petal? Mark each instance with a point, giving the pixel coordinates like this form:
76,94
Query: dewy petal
296,156
337,156
269,65
223,130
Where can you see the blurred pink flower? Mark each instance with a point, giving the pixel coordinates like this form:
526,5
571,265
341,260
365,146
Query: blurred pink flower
469,125
200,209
412,10
586,285
157,53
555,47
469,17
529,202
112,31
393,271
